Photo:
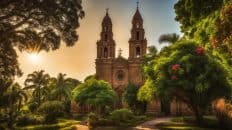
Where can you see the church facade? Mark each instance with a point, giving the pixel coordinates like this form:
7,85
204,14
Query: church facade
117,70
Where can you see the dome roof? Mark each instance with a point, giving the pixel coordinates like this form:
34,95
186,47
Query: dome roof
137,16
107,19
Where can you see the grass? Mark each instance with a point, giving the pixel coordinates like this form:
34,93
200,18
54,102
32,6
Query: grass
189,123
62,124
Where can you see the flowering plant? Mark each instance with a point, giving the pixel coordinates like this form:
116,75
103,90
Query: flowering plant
200,50
175,67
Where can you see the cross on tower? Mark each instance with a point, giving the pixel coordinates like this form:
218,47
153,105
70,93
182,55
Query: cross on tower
107,10
137,3
119,52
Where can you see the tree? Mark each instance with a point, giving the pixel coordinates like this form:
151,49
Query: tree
73,82
96,93
90,77
191,74
13,98
37,81
62,89
169,38
152,53
190,12
33,26
39,24
130,97
51,110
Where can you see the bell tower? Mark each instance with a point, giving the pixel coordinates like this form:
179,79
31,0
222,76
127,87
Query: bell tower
137,48
106,44
105,50
137,42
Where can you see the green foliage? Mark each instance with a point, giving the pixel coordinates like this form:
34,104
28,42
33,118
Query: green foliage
61,88
29,119
130,97
189,12
90,77
51,110
211,27
13,99
33,106
96,93
169,38
121,115
190,73
93,119
61,125
119,118
39,25
35,26
147,91
37,82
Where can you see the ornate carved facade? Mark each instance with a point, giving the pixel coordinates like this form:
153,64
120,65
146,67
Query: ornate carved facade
119,71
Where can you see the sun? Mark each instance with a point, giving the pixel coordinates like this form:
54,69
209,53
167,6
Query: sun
34,58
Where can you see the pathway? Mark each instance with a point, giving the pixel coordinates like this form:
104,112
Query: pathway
151,125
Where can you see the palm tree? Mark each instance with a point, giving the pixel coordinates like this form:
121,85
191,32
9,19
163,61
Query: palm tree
62,88
17,95
169,38
37,81
14,97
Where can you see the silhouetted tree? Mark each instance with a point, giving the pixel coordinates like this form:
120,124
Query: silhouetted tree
13,99
35,25
37,81
169,38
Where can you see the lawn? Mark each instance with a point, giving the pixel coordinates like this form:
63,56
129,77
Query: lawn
62,124
188,123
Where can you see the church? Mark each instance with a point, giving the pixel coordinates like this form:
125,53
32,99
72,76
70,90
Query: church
117,70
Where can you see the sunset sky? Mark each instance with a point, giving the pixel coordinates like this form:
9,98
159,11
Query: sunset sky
79,61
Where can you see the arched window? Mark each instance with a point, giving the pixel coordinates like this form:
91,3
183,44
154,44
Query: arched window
137,35
105,52
137,51
105,28
105,37
137,25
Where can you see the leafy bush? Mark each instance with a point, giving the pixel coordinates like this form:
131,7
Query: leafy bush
92,119
121,115
33,106
51,110
130,97
95,93
29,119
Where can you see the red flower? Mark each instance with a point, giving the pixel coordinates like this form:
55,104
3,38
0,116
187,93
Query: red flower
200,50
175,67
173,77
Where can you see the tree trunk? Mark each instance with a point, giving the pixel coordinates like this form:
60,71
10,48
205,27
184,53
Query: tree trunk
198,116
19,105
39,97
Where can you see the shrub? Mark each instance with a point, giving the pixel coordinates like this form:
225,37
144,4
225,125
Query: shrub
29,119
93,119
33,106
121,115
51,110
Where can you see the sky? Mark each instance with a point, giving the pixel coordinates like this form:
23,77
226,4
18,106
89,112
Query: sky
79,61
